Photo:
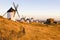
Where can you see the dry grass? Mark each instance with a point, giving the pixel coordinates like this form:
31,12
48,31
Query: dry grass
10,30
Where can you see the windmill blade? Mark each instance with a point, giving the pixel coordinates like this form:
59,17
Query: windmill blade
17,6
14,5
16,9
4,14
18,14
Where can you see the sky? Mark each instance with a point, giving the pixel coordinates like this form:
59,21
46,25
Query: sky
38,9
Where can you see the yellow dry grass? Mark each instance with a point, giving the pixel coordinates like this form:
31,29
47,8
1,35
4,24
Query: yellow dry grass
10,30
38,31
33,31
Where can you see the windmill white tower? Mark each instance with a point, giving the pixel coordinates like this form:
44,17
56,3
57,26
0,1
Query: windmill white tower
11,12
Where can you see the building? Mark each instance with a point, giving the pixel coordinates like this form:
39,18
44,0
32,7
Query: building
11,14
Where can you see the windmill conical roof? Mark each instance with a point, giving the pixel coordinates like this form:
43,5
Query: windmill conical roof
11,10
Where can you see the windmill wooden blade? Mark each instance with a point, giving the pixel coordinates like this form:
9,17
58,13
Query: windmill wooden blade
17,6
4,14
18,14
16,9
14,5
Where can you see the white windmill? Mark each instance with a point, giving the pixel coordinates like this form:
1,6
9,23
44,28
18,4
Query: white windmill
11,12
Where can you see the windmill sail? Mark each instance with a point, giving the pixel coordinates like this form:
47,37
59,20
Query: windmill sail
16,9
14,5
18,14
4,14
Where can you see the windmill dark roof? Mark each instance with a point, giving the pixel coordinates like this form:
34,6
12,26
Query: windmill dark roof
11,10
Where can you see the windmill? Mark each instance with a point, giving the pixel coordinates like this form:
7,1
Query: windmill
16,6
11,12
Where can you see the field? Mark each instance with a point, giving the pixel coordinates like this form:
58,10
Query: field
11,30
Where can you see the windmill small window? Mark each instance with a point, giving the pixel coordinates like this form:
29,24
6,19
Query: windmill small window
11,12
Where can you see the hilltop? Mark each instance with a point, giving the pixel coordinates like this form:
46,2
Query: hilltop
10,30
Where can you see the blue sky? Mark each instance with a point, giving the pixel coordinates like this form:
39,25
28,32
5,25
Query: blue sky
39,9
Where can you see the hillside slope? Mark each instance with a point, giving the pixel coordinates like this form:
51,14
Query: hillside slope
10,30
37,31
